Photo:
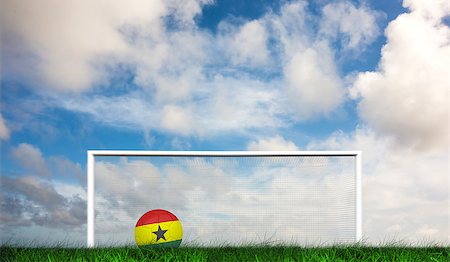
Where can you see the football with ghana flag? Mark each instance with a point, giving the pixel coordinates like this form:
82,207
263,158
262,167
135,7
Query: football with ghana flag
158,228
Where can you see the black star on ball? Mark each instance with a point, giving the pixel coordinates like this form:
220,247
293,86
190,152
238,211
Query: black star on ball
160,233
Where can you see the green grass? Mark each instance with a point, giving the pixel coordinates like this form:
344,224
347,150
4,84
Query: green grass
257,253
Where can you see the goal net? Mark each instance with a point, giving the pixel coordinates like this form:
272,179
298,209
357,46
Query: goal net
227,198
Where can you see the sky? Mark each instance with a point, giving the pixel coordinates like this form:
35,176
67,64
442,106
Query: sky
224,75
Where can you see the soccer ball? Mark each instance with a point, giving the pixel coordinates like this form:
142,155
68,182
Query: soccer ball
158,228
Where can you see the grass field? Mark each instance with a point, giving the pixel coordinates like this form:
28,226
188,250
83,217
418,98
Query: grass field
258,253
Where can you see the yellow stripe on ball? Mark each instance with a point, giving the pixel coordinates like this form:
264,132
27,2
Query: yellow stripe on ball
158,233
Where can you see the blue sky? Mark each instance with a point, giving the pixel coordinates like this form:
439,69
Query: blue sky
228,75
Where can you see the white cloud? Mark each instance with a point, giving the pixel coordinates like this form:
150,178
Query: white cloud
4,130
130,111
405,192
222,105
169,67
408,98
187,10
175,64
434,11
354,27
185,70
33,202
247,46
65,168
35,189
70,190
72,41
238,105
176,119
314,87
38,203
31,158
272,143
311,82
289,28
64,42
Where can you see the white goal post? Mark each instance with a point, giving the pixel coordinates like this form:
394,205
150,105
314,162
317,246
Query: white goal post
93,154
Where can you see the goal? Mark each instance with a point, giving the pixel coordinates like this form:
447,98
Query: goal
230,198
